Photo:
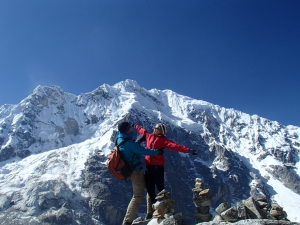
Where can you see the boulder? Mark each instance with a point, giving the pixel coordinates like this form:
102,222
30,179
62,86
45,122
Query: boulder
223,207
218,219
242,212
262,204
253,209
230,215
163,195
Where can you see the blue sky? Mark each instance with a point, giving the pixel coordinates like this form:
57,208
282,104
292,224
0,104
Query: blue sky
242,54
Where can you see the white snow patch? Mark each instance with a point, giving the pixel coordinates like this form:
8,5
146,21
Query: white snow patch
286,198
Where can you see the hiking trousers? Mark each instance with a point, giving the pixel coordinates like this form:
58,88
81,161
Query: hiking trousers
138,188
154,179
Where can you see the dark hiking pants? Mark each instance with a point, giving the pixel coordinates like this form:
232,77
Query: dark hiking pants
154,179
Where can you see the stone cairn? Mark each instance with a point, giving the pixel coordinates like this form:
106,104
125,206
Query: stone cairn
163,205
164,212
250,209
201,199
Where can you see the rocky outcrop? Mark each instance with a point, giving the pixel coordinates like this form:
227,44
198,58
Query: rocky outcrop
287,176
252,222
250,209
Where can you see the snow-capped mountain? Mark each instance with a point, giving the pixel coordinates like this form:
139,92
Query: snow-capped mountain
54,145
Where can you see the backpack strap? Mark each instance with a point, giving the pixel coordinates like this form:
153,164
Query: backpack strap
122,142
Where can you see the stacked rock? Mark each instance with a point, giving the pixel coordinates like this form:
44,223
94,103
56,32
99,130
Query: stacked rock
164,212
164,206
202,201
277,212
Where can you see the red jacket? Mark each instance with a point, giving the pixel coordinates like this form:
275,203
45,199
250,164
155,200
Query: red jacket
154,141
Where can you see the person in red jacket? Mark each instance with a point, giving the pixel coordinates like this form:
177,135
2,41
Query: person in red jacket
154,174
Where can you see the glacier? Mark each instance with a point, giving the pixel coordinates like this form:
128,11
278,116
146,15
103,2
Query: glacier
54,147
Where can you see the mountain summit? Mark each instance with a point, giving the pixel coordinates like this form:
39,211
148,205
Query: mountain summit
54,145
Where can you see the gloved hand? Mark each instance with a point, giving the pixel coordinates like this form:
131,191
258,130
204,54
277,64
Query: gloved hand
193,152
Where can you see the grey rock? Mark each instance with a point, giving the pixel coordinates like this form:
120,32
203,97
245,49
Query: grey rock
242,211
262,204
217,219
170,221
64,216
230,215
223,207
252,222
5,202
253,210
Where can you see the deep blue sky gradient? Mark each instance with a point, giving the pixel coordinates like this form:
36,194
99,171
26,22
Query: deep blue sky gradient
242,54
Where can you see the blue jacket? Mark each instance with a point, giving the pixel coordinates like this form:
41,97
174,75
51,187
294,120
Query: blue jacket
131,151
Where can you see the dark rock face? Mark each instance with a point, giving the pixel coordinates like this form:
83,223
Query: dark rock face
51,202
287,176
1,140
71,126
23,153
109,196
6,153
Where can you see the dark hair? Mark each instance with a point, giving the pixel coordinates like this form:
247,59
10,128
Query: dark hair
124,127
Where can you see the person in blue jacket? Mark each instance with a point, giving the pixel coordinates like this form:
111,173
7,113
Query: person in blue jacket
131,153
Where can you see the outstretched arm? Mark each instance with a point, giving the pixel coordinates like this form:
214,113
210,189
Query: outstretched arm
135,147
174,146
141,130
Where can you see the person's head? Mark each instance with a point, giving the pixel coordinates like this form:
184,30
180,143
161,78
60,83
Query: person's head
160,128
124,127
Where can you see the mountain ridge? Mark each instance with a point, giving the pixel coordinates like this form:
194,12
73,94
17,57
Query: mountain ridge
239,154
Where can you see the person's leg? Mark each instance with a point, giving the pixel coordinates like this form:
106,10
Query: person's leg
138,186
160,178
150,186
150,209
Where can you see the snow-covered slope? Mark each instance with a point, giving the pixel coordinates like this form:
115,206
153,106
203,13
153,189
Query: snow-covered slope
54,144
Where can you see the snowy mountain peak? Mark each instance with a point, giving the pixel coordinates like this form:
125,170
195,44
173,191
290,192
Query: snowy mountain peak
60,141
127,85
42,89
44,96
